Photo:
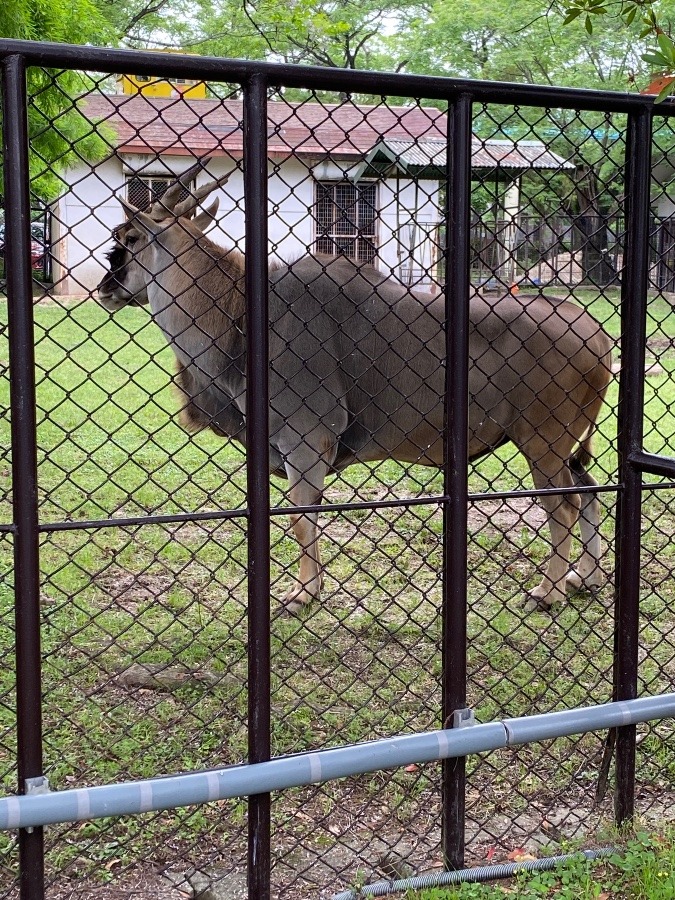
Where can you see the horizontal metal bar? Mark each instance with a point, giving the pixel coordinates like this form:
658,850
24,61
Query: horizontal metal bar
402,502
150,519
320,766
652,463
321,78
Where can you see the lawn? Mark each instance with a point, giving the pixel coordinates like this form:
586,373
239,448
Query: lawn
364,664
642,869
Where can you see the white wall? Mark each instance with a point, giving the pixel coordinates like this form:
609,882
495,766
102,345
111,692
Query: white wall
664,176
83,219
408,225
86,214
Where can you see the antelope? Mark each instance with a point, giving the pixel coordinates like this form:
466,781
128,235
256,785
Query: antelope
357,374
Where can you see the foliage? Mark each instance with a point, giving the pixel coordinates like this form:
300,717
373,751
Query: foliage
336,33
652,22
54,121
514,41
643,868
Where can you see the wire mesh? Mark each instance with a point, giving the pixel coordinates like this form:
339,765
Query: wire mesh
143,504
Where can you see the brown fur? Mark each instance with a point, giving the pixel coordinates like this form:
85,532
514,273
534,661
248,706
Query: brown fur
356,372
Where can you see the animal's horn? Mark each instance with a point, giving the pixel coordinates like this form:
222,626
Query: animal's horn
190,203
165,206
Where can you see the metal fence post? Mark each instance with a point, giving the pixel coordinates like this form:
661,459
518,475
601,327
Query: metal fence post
24,460
630,416
257,474
458,216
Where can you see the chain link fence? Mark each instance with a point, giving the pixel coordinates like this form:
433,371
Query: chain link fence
156,611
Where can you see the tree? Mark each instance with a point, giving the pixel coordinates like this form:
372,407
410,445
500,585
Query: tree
55,125
654,18
336,33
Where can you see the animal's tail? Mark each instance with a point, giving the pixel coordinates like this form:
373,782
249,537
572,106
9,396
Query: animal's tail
583,455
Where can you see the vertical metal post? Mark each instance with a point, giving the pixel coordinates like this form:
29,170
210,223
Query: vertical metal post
24,459
257,473
457,290
630,415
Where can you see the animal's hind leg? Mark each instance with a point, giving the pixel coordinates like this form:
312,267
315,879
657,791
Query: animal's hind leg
562,512
587,574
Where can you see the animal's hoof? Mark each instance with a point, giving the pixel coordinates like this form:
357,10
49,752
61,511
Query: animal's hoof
296,601
533,603
590,584
294,607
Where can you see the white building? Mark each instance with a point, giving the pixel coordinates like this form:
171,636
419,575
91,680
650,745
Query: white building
342,179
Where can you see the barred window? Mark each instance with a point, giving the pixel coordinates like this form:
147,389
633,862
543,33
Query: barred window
142,191
346,217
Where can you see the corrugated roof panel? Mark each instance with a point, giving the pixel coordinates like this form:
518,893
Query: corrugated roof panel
485,154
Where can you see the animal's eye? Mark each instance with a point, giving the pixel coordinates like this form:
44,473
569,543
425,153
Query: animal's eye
132,239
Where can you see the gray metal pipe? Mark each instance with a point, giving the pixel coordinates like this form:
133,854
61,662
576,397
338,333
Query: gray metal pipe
80,804
478,874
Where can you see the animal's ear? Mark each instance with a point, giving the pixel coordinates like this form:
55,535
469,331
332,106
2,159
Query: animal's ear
128,208
207,216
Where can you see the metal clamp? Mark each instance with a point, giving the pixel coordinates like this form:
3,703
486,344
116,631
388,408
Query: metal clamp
37,785
34,786
463,718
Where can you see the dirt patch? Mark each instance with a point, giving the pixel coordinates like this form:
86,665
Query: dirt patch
159,677
504,515
130,591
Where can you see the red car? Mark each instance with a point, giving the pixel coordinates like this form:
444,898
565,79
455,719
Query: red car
37,245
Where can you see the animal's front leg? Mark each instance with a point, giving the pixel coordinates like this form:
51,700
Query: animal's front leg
310,578
307,470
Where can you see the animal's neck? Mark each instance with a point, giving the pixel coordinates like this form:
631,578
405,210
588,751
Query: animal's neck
197,299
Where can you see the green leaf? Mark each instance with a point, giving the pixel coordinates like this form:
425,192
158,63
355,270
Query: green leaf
571,16
665,91
630,15
589,25
665,44
655,59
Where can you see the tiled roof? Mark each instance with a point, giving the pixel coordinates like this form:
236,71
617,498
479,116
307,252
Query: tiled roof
411,139
214,127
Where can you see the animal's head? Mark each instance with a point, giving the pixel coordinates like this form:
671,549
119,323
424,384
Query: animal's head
133,258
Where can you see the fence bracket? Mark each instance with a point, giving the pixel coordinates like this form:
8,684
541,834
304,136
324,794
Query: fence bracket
463,718
37,785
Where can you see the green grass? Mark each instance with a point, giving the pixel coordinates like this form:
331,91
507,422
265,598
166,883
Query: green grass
365,663
642,869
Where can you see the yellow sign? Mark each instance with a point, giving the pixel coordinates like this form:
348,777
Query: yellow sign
161,87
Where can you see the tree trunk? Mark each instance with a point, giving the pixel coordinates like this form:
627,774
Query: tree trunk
597,263
592,228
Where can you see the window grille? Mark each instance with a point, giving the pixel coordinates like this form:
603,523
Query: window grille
346,216
142,191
